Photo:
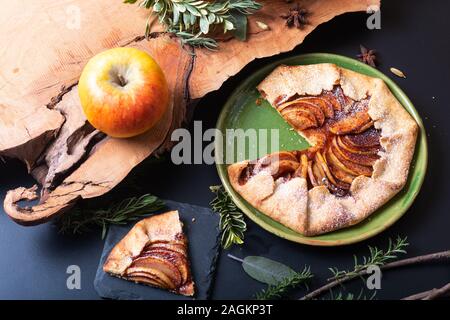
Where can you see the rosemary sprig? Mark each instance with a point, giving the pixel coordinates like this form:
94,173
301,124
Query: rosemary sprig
351,296
232,222
192,19
282,288
377,257
130,209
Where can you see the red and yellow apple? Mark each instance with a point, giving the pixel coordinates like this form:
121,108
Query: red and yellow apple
123,92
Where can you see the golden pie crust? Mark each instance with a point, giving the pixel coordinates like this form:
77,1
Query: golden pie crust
154,252
311,207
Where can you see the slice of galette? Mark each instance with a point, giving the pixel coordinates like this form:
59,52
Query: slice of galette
362,142
154,252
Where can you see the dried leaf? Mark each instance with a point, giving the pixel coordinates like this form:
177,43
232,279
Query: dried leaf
262,25
398,73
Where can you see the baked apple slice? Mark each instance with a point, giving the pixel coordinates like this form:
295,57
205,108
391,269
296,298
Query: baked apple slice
364,127
313,109
155,275
363,159
302,170
151,280
335,184
350,124
350,167
300,119
178,259
344,144
343,100
317,137
341,174
323,167
322,103
277,164
152,273
318,172
332,100
336,163
162,259
274,157
176,247
311,176
367,139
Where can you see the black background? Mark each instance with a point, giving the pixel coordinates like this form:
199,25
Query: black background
413,38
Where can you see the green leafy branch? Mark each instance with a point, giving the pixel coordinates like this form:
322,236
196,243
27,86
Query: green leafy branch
82,220
232,222
285,285
279,277
351,296
192,20
377,257
383,259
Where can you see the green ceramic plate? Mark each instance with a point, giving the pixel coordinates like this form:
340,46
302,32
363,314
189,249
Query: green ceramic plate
241,111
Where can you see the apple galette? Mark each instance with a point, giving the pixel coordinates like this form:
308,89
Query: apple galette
154,253
362,142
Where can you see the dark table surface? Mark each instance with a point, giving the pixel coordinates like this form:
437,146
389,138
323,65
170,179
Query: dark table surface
414,38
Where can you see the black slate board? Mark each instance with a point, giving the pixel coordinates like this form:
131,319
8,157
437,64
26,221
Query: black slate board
204,245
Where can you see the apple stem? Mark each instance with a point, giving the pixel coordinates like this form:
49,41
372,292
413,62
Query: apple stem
122,81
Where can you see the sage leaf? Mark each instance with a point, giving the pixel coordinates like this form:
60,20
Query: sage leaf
157,7
193,10
266,270
204,25
190,19
240,25
176,14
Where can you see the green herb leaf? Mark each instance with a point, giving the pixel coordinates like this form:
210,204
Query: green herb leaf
266,270
283,287
130,209
232,222
204,25
240,24
279,277
376,257
192,20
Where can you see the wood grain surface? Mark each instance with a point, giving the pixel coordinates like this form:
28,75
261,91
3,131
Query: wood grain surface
44,47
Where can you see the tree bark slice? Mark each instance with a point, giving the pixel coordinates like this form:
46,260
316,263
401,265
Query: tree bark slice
72,167
48,42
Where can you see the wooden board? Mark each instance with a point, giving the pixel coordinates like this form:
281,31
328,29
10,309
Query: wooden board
46,43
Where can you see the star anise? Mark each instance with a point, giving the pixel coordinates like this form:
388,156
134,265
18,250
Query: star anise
297,16
368,56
